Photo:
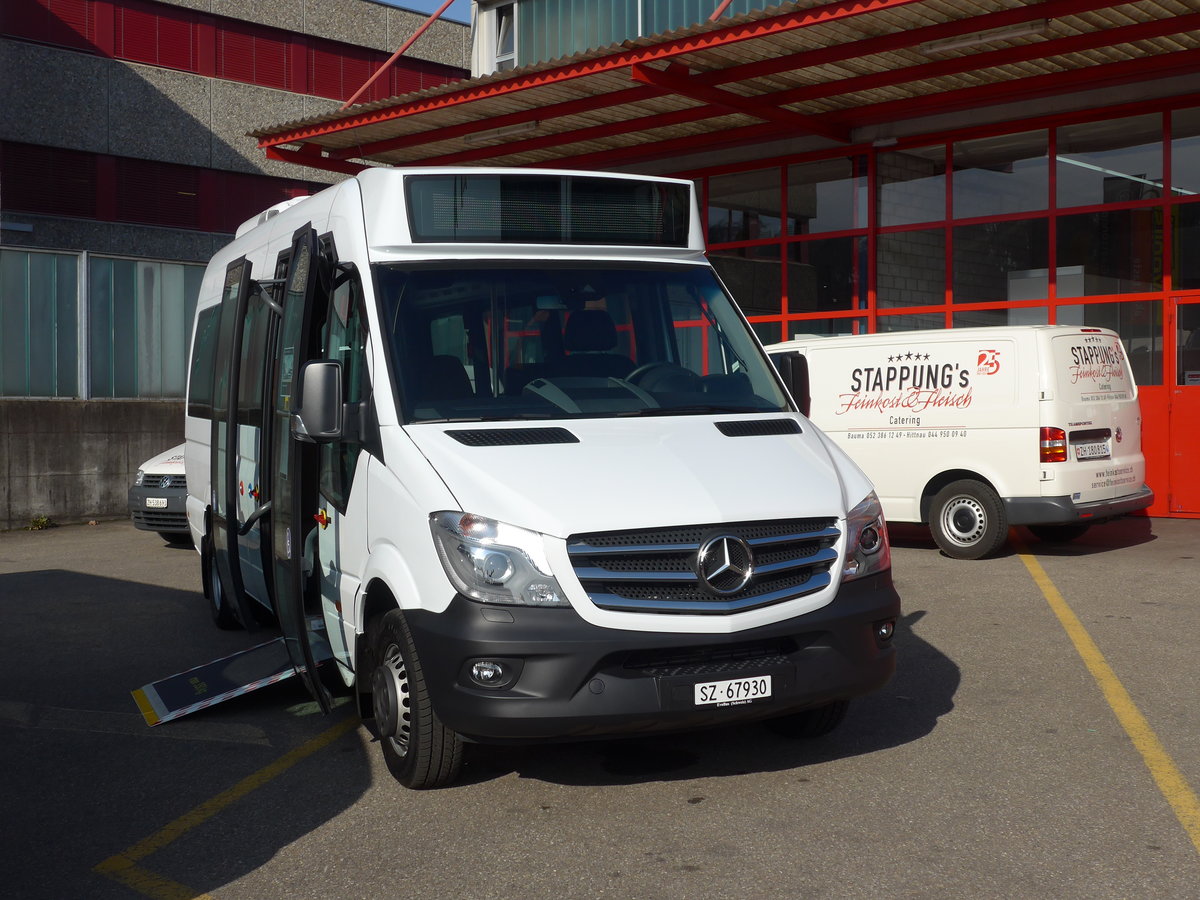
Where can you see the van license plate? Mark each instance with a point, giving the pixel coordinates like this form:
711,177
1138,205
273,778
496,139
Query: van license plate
1092,451
156,502
734,692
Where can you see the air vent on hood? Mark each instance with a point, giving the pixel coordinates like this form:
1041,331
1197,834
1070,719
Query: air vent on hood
512,437
758,427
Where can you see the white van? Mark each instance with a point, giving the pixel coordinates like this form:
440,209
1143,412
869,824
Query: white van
974,429
501,445
158,495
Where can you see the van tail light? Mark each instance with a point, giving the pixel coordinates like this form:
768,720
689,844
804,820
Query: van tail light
1054,445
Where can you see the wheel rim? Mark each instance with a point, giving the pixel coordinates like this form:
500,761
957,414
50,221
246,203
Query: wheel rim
391,699
218,597
964,521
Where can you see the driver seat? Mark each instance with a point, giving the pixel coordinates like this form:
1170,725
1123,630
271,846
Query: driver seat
590,339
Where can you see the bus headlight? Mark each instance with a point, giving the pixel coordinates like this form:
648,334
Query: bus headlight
492,562
867,548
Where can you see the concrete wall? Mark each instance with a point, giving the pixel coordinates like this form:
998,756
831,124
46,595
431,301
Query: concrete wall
74,460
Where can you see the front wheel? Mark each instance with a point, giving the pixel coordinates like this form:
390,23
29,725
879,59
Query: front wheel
967,520
420,751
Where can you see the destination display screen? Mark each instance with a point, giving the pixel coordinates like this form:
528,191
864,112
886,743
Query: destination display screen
507,208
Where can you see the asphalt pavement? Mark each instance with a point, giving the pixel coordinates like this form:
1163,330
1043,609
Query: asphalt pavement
1040,739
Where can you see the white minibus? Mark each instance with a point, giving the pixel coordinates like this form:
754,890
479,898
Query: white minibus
500,454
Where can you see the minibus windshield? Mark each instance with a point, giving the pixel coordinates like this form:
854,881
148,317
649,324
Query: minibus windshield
509,340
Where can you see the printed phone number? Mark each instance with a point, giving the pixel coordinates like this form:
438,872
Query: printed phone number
907,434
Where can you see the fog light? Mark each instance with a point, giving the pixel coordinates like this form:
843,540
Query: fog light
487,673
884,630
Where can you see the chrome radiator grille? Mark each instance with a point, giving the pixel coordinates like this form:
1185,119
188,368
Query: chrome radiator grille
706,569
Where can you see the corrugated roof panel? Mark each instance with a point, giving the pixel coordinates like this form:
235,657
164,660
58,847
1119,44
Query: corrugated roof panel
824,68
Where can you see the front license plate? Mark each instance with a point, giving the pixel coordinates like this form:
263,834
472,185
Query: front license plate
1092,451
156,502
734,692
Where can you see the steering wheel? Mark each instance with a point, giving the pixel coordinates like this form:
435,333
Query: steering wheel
664,376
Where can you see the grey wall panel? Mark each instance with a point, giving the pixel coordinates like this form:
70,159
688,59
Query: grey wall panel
53,97
238,108
160,114
114,238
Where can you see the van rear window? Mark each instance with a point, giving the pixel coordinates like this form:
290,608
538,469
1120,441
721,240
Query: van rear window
547,209
1092,367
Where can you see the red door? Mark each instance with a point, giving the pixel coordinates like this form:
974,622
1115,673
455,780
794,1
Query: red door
1184,410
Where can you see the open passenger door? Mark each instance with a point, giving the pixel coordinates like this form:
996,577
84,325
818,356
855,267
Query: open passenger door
226,581
294,464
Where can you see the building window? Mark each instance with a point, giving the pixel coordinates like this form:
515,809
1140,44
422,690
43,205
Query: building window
744,207
996,176
912,186
829,195
826,275
1110,252
1185,153
1004,260
494,39
1114,161
139,326
39,331
912,268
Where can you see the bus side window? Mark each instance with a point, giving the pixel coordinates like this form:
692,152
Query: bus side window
204,351
344,338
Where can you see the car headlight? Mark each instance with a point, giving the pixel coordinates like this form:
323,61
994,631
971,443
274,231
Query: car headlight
493,562
139,478
867,548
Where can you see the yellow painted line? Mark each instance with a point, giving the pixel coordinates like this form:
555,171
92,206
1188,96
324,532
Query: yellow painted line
123,866
1170,780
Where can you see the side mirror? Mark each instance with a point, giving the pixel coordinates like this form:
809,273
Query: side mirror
792,366
318,418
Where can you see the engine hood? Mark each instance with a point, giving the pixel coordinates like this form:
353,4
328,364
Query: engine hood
615,474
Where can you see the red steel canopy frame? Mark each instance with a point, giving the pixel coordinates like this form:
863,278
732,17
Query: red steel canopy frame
815,71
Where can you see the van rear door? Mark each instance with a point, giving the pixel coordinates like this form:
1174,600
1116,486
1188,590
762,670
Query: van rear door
1095,402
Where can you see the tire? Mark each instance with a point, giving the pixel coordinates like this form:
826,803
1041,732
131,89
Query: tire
1059,534
811,723
968,520
420,751
223,615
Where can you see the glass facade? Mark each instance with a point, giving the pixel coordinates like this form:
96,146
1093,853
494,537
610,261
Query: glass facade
1087,222
39,324
124,325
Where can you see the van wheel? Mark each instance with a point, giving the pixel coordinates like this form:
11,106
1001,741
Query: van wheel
811,723
223,615
967,520
420,751
1059,534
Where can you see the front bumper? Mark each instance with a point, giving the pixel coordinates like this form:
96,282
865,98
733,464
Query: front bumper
575,680
1063,511
166,515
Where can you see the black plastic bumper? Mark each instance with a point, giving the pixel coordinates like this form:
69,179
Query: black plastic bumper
1062,511
572,680
165,519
